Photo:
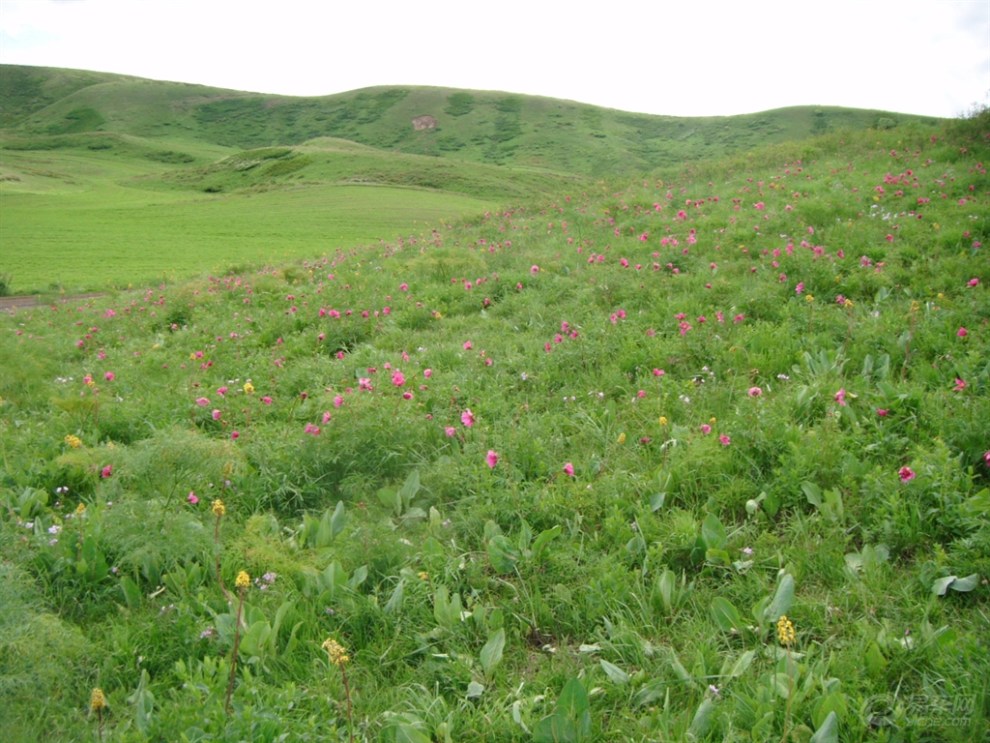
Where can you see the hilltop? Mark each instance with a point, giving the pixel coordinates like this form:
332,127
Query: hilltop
476,126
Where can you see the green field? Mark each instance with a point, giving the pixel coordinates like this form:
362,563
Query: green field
517,454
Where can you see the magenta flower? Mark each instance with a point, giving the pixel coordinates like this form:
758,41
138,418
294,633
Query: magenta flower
427,373
960,385
326,417
906,474
109,376
266,400
467,418
840,397
754,392
962,333
705,429
534,269
986,458
468,345
312,429
491,459
973,282
216,414
221,391
338,401
398,378
883,412
202,402
235,435
450,431
192,498
106,471
724,440
569,468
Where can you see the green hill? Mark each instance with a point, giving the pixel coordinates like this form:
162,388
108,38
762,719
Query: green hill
477,126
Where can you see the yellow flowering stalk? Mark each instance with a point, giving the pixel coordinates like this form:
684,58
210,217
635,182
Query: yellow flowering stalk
73,441
337,654
98,703
243,582
786,636
785,631
248,387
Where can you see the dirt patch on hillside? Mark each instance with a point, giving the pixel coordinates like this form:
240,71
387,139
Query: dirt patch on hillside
24,302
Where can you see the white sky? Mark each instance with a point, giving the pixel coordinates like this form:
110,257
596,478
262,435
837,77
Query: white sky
675,57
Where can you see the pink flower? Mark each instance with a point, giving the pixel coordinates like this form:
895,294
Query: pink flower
906,474
338,401
407,395
398,378
534,269
202,402
221,391
840,397
192,498
468,345
973,282
569,469
326,417
986,458
754,392
962,332
234,435
724,440
216,414
266,400
759,206
312,429
427,373
450,431
658,372
106,471
491,459
883,412
467,418
960,385
705,429
109,376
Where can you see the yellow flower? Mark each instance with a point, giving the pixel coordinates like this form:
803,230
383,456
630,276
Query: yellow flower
809,298
80,509
848,303
96,700
785,631
622,438
248,387
423,575
713,420
243,580
73,441
219,509
336,652
663,420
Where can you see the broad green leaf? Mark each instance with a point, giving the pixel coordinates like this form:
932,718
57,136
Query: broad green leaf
491,653
475,690
782,599
615,674
742,664
409,488
962,585
502,554
359,576
713,532
726,615
543,540
812,493
702,721
829,730
394,602
338,520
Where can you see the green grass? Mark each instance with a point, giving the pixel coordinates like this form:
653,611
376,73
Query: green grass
755,387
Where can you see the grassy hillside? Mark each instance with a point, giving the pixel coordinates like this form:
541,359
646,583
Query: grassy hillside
695,458
477,126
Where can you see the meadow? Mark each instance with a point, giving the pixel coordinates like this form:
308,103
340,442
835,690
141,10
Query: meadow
695,456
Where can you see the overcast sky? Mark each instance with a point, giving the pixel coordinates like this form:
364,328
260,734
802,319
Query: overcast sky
708,57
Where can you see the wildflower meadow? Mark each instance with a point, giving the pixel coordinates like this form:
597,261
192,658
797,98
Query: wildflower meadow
703,455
